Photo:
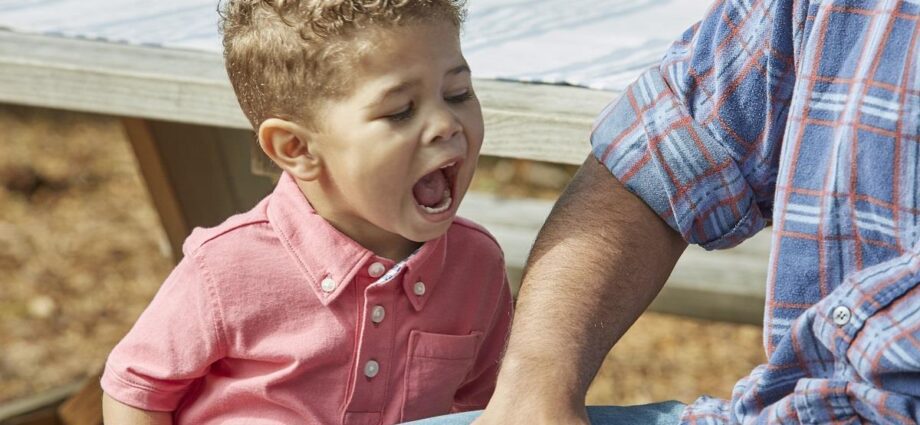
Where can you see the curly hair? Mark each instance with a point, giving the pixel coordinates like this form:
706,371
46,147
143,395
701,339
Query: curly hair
285,56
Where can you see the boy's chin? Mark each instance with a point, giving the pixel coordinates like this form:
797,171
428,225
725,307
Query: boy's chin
430,231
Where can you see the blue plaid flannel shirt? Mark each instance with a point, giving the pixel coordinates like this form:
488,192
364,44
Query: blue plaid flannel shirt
804,114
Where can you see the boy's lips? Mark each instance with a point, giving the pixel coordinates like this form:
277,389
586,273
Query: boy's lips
435,191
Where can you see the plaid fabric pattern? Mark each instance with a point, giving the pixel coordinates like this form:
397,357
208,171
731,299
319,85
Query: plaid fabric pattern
806,115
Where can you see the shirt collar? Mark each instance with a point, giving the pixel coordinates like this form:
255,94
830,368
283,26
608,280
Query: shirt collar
322,252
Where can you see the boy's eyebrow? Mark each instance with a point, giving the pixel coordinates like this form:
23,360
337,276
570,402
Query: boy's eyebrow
459,69
391,91
408,84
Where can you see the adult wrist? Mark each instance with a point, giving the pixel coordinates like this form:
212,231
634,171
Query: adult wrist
539,383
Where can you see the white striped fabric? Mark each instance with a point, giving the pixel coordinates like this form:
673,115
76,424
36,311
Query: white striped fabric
601,44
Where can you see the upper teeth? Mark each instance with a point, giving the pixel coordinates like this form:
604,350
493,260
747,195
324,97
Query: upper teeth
448,165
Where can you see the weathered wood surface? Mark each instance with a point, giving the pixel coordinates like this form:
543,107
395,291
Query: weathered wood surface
40,409
528,121
85,406
185,98
724,285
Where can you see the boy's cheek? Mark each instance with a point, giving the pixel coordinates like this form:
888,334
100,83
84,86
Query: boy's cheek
473,123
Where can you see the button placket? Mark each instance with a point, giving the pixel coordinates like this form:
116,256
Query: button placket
375,350
378,313
371,369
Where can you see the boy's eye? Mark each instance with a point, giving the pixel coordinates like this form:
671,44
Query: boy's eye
402,115
460,98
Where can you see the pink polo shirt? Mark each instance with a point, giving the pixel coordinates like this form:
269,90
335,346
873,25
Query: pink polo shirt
275,317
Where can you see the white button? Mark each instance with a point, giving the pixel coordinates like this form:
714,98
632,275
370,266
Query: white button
376,270
842,315
378,313
328,285
371,368
419,288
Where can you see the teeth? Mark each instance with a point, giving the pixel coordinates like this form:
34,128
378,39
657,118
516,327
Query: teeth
448,165
443,206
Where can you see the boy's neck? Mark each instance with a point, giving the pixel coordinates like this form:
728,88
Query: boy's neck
381,243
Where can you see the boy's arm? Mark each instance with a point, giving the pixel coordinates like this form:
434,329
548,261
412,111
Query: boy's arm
115,412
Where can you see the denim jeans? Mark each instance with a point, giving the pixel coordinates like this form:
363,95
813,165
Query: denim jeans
664,413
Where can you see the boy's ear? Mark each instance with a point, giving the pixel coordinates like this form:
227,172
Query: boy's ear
290,145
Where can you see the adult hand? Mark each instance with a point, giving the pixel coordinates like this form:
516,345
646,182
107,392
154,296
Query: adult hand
513,409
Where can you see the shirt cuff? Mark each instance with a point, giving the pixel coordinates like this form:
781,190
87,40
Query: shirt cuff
136,395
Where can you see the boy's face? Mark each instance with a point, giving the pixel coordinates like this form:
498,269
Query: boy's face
399,152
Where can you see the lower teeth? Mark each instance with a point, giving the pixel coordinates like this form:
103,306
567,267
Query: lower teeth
443,206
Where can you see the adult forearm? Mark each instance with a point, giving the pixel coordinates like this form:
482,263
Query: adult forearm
598,262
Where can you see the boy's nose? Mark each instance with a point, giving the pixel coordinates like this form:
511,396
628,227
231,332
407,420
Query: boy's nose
443,125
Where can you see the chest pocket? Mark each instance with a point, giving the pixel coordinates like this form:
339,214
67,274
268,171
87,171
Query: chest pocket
436,367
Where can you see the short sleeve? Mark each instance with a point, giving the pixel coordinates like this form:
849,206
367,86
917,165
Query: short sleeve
698,136
174,342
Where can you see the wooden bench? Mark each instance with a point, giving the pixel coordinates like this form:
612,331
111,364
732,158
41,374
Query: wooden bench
194,149
193,146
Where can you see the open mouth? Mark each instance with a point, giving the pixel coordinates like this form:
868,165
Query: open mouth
434,191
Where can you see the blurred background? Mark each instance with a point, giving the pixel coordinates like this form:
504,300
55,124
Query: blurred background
119,132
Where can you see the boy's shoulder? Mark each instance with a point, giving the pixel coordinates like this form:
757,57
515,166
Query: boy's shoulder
476,236
231,230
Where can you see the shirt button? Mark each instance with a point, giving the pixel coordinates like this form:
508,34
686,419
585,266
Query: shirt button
842,315
376,270
371,368
378,313
419,288
328,285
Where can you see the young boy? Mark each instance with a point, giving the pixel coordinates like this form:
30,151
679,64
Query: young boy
352,294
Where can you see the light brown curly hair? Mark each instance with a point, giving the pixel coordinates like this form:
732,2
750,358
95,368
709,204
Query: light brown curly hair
284,57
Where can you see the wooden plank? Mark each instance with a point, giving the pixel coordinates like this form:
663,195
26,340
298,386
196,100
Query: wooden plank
529,121
43,416
235,147
116,79
209,168
159,184
539,122
40,409
721,285
196,175
85,407
192,157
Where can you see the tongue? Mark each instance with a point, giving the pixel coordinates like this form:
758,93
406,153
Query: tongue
429,191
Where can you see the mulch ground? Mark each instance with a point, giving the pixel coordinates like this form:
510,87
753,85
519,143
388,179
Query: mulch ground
82,252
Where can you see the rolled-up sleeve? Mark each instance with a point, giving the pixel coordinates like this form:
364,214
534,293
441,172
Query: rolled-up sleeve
698,136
